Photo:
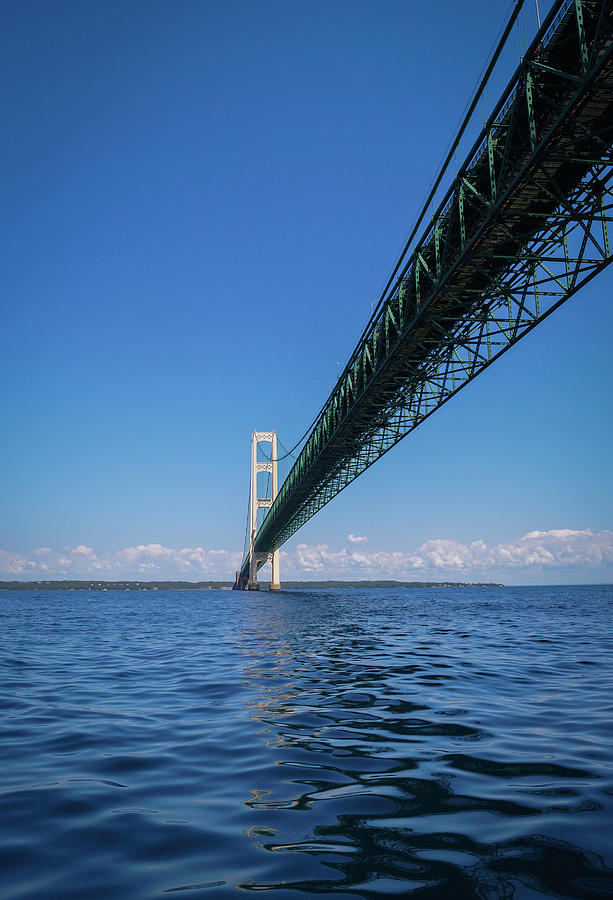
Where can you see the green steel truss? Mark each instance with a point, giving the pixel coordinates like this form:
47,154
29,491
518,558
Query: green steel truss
525,224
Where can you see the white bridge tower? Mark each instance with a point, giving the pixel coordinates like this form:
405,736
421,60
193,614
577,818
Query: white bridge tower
259,437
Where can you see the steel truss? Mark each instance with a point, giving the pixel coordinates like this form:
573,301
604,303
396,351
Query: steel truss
523,227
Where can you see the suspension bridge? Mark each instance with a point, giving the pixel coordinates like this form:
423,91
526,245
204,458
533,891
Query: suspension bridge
523,225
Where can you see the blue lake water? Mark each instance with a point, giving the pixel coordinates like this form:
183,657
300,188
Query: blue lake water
446,743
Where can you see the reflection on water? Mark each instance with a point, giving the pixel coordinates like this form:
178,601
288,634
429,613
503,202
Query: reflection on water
402,794
365,744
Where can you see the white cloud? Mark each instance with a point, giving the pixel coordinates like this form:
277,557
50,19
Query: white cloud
537,556
556,533
12,563
356,539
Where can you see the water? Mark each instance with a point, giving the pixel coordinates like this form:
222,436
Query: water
447,743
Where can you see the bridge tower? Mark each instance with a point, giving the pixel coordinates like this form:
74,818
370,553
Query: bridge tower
255,503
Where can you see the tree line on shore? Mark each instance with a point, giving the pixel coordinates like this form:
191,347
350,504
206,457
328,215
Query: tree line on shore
71,585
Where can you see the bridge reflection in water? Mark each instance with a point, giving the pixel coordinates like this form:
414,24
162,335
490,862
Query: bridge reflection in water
405,751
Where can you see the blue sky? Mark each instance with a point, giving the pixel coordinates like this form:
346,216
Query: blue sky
202,200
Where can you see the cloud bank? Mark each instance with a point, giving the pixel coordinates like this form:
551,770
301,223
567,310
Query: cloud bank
538,556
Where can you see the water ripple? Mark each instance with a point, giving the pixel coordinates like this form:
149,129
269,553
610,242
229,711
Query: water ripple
365,744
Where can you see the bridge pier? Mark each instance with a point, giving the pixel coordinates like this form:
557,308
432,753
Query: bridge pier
240,583
275,584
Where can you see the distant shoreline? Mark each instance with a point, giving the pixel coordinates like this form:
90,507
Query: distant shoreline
73,585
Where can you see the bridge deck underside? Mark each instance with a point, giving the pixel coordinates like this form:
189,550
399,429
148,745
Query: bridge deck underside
523,226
